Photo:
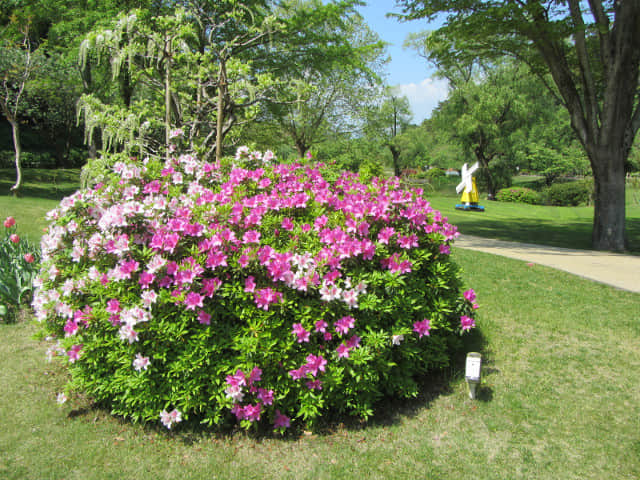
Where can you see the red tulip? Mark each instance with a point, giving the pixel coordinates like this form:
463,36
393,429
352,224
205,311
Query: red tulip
28,258
14,238
9,222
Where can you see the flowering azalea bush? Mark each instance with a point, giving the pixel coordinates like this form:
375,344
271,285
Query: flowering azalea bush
18,267
248,291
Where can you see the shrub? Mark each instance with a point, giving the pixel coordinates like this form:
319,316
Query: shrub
434,173
18,267
248,291
569,194
518,195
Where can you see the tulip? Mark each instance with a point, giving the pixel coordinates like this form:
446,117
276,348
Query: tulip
14,238
28,258
9,222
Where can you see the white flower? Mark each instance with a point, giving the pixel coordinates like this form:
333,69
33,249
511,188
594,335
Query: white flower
141,363
62,398
396,339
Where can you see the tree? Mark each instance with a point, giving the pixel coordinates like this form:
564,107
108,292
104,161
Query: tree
592,53
328,82
17,64
386,122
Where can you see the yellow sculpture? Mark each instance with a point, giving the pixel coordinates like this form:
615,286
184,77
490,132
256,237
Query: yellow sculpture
470,196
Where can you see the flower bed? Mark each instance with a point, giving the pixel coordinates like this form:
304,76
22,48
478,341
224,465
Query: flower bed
248,291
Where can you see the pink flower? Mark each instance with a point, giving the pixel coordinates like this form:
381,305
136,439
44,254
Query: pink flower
343,351
467,323
281,421
251,236
298,373
252,412
315,363
250,284
265,396
113,306
193,300
204,317
168,419
14,238
70,328
9,222
445,249
321,326
74,353
314,385
345,324
470,295
353,342
422,328
254,376
300,332
287,224
29,258
266,297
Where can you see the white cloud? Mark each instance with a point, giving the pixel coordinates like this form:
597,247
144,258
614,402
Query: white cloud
425,96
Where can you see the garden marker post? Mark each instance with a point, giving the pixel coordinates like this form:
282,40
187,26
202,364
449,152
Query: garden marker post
470,197
472,372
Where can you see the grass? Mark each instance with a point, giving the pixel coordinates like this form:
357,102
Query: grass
559,400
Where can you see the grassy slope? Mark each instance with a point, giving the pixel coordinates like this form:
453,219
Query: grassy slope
560,400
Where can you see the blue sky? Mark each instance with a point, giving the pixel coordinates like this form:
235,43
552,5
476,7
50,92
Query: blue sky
407,71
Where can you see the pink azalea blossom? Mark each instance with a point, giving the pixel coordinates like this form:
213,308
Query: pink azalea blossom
301,334
169,418
470,295
314,384
445,249
467,322
74,353
321,326
315,363
266,297
250,284
70,328
280,420
193,300
422,328
204,317
343,351
265,396
344,324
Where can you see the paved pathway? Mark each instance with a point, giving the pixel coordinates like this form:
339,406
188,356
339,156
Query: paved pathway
621,271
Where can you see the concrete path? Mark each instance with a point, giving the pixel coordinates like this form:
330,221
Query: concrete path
621,271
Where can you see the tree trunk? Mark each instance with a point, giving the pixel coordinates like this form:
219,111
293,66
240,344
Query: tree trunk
395,158
15,129
222,92
609,199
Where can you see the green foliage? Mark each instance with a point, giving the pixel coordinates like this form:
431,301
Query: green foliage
519,195
19,262
287,288
569,194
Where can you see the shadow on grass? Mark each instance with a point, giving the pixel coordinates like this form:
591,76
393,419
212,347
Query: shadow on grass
569,235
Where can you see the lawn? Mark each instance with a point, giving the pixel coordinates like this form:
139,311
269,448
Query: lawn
559,397
559,400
